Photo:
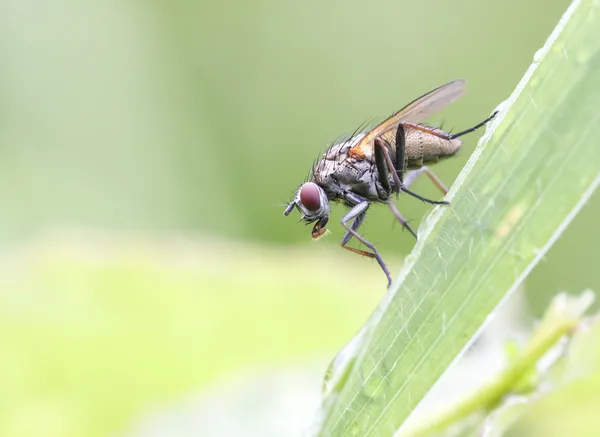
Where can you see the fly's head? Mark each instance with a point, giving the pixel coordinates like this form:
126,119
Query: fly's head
313,204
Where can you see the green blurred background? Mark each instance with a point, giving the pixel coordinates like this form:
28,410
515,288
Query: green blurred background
146,151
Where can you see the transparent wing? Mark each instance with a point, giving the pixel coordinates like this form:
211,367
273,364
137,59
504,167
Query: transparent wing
418,110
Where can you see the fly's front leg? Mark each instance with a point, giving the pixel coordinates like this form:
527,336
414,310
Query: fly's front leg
358,213
358,220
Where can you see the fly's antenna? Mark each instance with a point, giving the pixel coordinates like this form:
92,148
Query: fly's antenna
290,208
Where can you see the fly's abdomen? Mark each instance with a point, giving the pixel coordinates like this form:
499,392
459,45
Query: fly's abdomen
425,145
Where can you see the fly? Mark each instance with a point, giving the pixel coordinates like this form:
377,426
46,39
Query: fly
371,166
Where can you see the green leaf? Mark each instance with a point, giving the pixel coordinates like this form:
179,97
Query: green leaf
533,171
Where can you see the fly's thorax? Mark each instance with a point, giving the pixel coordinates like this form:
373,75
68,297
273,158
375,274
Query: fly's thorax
421,147
346,172
358,176
338,151
331,161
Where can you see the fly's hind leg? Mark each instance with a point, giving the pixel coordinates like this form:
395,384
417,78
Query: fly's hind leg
412,176
401,219
381,153
472,129
385,167
358,213
446,136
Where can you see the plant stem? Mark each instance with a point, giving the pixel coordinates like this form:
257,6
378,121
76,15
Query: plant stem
560,319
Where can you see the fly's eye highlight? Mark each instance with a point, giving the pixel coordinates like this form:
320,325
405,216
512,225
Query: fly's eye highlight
310,196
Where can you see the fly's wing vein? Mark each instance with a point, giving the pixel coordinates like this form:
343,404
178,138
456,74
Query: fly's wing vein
418,110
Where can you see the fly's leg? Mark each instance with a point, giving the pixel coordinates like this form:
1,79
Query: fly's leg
383,166
472,129
400,149
414,174
441,134
383,161
411,177
358,213
446,136
424,199
358,220
401,219
381,152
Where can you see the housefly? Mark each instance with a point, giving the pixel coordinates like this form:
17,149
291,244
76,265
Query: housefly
371,166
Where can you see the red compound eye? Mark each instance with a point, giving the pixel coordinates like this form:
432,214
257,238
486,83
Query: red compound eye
310,197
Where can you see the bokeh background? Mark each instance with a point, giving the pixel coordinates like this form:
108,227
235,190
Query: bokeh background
149,282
